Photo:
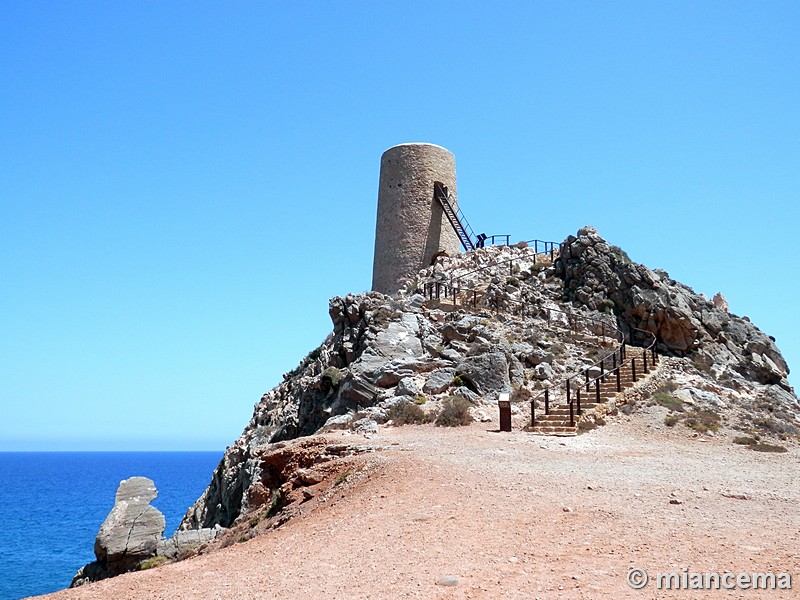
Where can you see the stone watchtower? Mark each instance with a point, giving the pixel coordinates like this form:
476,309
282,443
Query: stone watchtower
411,226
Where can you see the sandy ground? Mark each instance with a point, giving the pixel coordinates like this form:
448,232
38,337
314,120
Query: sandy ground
513,515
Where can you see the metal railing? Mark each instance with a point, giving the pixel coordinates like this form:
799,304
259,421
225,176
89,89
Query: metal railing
457,218
550,251
610,365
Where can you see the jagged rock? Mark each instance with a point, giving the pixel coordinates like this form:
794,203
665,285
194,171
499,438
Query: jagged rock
720,302
601,276
366,427
359,393
439,380
133,528
309,477
487,373
467,394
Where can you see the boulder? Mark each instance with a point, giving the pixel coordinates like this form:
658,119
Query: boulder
407,387
439,380
130,534
486,373
185,543
133,528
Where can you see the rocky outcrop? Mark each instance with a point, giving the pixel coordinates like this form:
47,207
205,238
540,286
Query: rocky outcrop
602,277
129,535
132,533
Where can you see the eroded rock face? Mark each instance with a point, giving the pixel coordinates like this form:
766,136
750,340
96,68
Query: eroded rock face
601,276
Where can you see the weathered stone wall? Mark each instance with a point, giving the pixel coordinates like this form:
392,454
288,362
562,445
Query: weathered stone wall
411,227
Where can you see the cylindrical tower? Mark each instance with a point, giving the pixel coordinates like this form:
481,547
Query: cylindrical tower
411,226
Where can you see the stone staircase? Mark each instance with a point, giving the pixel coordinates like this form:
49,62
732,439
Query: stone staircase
557,420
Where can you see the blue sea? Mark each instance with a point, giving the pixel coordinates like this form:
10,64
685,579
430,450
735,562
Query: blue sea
53,503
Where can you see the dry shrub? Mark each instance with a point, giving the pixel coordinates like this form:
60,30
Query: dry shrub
454,413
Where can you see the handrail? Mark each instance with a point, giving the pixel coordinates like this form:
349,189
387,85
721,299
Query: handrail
510,261
456,217
618,356
437,290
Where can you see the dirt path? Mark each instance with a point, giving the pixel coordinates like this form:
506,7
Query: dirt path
515,516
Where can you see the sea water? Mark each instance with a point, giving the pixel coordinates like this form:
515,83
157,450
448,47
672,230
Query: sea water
53,503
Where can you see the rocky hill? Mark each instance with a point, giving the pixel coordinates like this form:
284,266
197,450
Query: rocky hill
504,319
387,352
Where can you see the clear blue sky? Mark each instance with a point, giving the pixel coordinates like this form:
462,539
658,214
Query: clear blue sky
183,185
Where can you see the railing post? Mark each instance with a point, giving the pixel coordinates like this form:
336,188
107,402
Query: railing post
644,361
602,368
533,413
571,415
547,402
655,356
578,400
597,391
614,360
619,378
568,391
633,368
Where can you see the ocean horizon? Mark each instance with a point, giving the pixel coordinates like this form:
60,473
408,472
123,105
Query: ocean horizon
53,503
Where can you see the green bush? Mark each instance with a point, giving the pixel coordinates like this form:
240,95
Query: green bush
703,420
407,413
767,448
454,413
745,441
275,504
621,255
668,401
332,374
606,305
670,420
150,563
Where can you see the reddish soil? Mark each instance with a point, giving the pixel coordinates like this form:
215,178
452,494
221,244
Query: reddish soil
513,515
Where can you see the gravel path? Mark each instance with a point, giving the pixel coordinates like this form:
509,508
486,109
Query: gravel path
514,515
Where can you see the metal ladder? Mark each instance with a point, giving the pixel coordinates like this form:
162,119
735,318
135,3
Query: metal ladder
457,219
